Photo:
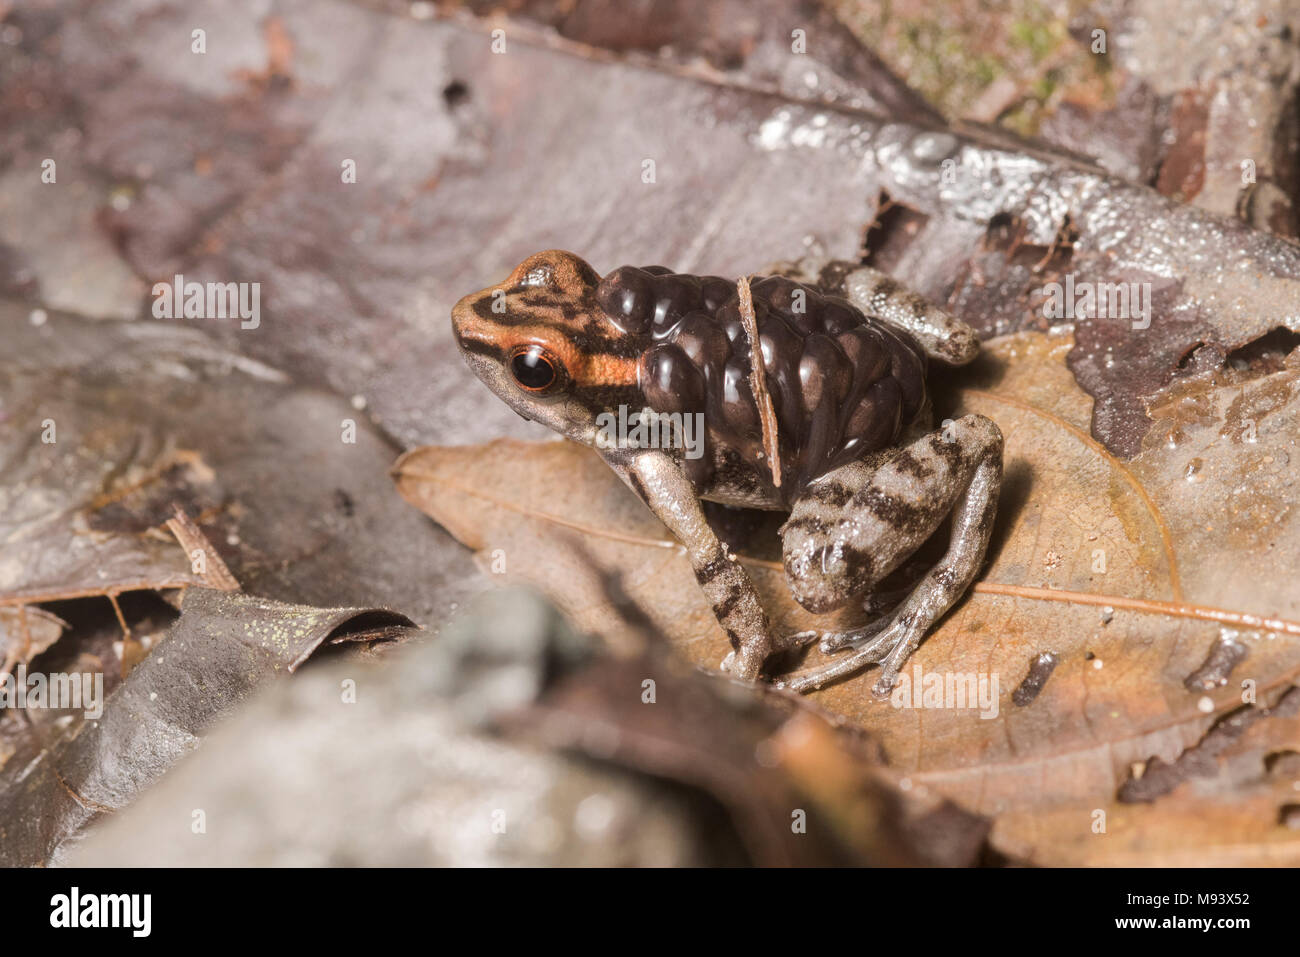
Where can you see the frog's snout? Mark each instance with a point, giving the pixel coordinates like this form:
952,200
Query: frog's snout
463,309
466,319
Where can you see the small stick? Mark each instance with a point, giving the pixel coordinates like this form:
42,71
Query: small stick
191,537
130,647
758,380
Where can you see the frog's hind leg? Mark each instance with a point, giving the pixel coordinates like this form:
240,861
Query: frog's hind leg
858,523
941,335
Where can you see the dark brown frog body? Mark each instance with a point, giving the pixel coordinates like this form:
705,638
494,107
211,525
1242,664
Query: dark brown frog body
841,383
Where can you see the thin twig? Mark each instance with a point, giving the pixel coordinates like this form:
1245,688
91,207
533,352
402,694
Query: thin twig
758,380
128,640
215,573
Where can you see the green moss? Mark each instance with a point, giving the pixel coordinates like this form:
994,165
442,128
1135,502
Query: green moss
986,70
1046,85
952,54
1038,38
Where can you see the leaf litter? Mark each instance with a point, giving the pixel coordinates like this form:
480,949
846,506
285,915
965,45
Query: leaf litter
1097,561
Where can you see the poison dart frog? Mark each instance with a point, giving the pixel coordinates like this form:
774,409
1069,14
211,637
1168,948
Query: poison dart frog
837,431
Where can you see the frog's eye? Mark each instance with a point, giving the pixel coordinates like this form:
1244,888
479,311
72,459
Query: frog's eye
535,369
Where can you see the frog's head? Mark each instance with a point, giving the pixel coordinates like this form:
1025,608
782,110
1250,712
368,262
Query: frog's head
540,341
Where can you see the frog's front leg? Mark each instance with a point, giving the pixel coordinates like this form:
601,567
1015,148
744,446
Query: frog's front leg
661,484
858,523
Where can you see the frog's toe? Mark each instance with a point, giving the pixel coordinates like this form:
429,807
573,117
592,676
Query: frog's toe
833,641
745,664
798,640
883,645
898,653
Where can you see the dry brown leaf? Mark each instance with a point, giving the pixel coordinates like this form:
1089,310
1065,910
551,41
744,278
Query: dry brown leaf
1233,800
1176,560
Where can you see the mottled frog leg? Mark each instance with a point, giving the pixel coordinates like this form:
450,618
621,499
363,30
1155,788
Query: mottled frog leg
942,336
860,522
660,483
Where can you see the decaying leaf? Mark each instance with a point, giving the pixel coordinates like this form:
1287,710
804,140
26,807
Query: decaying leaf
1125,573
70,527
25,633
445,175
513,719
107,427
222,648
1229,800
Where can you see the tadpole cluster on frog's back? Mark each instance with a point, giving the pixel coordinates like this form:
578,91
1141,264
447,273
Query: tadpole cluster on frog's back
841,383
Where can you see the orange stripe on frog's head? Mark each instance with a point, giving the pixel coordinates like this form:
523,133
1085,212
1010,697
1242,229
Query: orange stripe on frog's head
549,301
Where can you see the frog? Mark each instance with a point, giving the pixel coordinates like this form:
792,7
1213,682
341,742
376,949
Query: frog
849,452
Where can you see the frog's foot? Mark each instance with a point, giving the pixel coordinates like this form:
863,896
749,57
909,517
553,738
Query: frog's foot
799,639
833,641
734,664
894,641
740,666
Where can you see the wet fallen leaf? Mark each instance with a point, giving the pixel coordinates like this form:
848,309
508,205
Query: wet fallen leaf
106,427
244,181
222,648
69,528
